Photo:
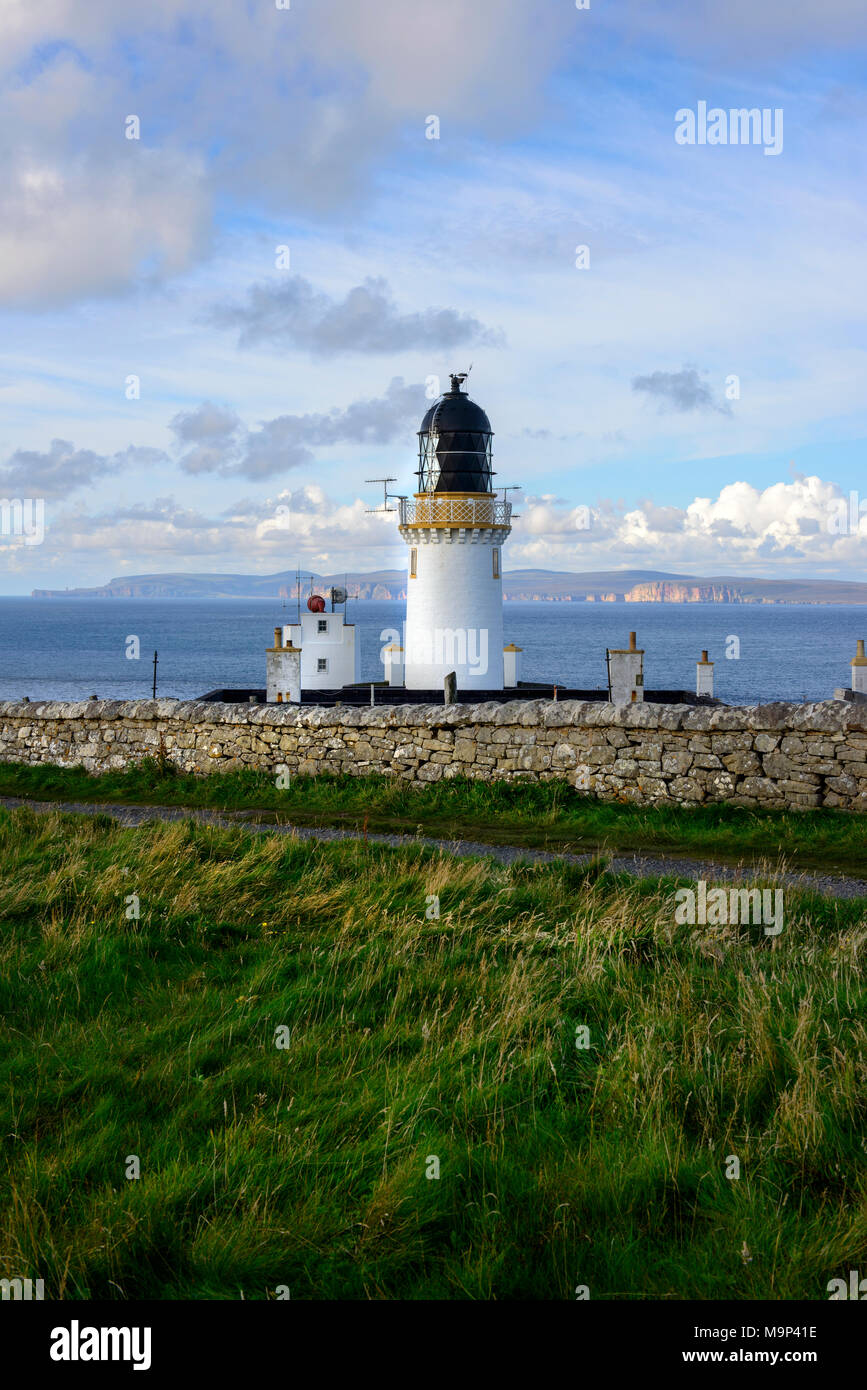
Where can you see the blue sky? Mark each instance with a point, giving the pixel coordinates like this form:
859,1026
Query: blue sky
610,387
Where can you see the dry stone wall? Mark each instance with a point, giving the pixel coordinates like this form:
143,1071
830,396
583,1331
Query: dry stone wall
768,755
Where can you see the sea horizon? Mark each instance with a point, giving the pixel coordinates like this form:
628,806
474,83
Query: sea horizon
762,652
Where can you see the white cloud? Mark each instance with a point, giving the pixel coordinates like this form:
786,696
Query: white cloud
796,528
683,391
69,229
745,30
254,537
214,440
289,110
292,312
62,469
800,527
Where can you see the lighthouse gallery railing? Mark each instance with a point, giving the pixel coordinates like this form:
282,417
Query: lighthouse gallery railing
454,511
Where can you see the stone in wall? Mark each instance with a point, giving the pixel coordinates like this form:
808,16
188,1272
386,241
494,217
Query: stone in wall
761,755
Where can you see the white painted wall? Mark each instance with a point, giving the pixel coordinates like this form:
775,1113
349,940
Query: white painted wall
336,646
511,666
393,662
283,675
454,610
626,674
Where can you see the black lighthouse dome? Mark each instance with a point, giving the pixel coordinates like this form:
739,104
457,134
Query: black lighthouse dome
454,444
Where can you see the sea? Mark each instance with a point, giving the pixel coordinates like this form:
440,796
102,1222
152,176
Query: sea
69,649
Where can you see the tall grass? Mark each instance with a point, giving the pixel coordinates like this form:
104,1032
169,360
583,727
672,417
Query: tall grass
536,814
413,1037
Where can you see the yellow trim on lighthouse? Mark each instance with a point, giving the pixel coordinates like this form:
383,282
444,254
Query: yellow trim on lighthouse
450,511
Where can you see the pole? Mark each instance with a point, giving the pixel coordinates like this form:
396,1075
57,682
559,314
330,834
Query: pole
155,676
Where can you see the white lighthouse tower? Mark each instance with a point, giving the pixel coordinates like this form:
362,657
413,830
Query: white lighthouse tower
455,527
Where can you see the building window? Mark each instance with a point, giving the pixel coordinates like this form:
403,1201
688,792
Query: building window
322,625
496,554
322,663
413,564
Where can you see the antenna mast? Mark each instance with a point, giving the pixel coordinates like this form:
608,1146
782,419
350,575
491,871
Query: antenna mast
386,495
513,487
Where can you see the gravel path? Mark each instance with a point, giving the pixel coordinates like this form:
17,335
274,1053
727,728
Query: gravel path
639,865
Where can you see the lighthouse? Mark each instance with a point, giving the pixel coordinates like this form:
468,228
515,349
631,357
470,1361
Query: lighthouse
455,527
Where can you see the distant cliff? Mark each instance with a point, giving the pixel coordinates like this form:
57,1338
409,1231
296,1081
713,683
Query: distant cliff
664,591
535,585
381,584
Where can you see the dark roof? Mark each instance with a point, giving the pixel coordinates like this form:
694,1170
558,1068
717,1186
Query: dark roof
455,411
463,442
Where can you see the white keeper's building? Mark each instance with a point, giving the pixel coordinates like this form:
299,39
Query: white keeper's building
318,653
330,655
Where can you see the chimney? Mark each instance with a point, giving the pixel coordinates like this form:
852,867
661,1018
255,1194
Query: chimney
626,673
704,676
859,668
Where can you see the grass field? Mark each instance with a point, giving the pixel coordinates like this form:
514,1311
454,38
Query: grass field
545,815
411,1038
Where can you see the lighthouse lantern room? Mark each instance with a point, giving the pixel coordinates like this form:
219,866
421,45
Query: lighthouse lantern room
455,527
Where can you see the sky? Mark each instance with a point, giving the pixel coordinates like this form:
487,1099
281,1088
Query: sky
243,245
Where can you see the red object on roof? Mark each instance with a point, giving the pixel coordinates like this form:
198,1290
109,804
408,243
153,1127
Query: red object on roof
316,603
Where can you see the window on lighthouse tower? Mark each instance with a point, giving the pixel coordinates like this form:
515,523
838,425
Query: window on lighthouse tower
413,563
496,554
